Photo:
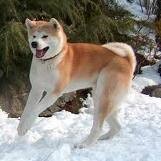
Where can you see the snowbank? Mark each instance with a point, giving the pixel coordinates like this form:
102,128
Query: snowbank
148,77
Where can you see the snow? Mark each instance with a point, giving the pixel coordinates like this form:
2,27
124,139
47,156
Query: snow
148,77
52,139
135,9
142,32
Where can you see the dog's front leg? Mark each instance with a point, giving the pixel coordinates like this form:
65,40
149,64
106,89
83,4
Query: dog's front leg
29,115
46,102
33,98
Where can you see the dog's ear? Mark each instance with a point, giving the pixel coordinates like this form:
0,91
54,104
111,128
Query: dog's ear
55,23
29,24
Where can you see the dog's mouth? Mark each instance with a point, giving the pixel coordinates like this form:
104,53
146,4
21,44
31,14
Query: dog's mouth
41,53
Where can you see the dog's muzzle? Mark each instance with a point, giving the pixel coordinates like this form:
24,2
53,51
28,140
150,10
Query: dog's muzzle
41,53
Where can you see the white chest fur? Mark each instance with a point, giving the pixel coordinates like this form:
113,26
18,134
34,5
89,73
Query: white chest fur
43,74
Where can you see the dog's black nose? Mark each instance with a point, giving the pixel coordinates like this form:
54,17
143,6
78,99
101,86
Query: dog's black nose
34,44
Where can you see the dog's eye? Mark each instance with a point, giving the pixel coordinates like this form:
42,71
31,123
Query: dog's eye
34,36
45,36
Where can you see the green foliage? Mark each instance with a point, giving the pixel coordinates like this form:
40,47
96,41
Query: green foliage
83,20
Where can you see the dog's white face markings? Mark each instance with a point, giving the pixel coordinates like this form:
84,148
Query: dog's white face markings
45,41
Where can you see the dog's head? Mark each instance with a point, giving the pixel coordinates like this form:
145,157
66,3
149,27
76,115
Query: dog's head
46,39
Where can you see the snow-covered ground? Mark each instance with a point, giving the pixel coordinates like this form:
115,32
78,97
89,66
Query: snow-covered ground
149,77
135,8
52,139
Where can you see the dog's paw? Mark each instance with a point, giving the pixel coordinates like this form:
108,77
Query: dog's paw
84,144
22,129
80,145
25,124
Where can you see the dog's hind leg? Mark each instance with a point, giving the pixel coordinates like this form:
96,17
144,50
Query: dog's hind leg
114,127
110,90
117,93
102,108
98,119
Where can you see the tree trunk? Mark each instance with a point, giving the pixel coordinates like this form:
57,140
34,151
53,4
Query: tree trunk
158,25
158,10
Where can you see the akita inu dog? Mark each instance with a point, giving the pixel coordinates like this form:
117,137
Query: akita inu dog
59,67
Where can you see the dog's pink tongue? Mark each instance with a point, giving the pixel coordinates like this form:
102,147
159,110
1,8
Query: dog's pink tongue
39,53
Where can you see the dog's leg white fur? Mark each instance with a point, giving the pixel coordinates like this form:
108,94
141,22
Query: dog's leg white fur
114,127
32,111
99,112
33,98
95,131
106,99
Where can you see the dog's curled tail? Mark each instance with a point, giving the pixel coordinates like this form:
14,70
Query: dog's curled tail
123,50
